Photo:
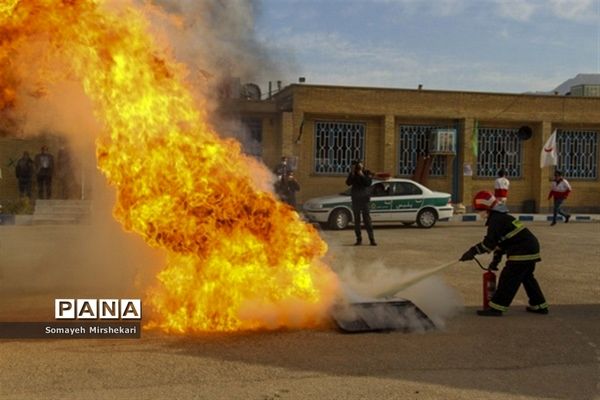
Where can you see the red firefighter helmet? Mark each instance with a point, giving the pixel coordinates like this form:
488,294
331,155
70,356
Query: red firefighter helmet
484,200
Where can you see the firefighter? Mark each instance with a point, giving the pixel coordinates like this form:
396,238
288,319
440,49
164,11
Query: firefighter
507,235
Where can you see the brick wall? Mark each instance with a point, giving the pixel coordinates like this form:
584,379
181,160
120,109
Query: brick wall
288,129
377,107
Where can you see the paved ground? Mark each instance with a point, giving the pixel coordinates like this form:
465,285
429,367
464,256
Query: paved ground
518,356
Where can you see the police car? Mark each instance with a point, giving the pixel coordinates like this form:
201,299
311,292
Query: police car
392,200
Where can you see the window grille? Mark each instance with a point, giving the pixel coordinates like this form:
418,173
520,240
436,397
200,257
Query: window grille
337,144
412,142
577,153
498,148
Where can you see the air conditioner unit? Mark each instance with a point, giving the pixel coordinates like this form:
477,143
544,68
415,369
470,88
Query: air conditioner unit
442,141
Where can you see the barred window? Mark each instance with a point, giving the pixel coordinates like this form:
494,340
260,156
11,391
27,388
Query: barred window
498,148
337,144
577,153
412,141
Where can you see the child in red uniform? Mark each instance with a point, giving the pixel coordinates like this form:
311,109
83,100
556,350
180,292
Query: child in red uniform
501,186
560,191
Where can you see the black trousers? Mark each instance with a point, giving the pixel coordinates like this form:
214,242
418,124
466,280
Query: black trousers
361,208
44,182
25,188
512,276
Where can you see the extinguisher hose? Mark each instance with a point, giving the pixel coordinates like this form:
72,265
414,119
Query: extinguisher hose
415,279
480,266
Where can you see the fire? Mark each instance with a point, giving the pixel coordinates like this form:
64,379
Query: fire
237,258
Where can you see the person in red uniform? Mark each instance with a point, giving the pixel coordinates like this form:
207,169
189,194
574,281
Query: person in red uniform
501,186
560,190
508,236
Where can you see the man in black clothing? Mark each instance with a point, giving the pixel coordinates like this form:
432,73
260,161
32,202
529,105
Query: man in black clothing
360,180
282,169
24,173
291,187
507,235
44,167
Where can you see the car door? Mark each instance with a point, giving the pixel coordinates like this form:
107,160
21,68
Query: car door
381,201
407,199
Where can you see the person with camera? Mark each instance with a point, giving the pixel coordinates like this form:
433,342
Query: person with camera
360,180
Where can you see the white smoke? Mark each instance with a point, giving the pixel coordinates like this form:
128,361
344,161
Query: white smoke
432,295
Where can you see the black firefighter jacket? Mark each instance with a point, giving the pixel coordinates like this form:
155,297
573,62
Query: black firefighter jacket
507,235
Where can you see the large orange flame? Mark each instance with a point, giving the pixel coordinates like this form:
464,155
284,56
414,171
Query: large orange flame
237,258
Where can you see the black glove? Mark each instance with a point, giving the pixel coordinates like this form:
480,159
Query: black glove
496,260
469,254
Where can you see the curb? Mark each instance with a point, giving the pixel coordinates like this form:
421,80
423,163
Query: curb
528,217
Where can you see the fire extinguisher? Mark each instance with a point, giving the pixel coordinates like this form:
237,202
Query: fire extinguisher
489,285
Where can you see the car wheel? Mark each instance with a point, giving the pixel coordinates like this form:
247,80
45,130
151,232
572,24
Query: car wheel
339,219
426,218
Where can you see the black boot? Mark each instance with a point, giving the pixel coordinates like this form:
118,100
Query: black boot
537,310
490,312
358,242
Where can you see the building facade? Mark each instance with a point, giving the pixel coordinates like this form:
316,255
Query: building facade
586,90
323,128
